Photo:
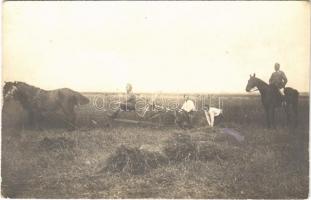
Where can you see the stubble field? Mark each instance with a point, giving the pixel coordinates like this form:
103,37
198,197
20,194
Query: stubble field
107,159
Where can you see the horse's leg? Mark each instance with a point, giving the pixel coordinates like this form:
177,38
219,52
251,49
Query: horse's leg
37,120
295,109
34,119
31,120
70,115
72,119
272,112
287,113
267,117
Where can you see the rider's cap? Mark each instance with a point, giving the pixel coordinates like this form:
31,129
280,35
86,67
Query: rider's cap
277,66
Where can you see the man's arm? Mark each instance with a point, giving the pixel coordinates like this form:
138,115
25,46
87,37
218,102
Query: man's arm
207,117
270,80
211,114
284,78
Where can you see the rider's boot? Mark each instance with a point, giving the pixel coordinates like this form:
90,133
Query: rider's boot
283,97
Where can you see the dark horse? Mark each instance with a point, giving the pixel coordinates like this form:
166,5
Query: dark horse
37,101
271,98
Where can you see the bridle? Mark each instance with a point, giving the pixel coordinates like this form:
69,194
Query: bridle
10,92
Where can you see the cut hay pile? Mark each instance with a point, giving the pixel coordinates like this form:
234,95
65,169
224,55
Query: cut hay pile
61,149
133,160
183,147
179,148
210,151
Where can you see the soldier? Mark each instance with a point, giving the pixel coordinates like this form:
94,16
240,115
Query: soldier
278,78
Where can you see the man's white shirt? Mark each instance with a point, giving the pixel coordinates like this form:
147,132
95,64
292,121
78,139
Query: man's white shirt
211,114
188,106
214,111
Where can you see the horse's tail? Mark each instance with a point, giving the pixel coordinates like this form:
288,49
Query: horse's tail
291,96
292,99
81,99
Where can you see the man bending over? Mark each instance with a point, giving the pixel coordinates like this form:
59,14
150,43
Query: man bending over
211,113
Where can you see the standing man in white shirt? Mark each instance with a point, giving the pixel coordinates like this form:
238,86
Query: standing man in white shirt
211,113
188,107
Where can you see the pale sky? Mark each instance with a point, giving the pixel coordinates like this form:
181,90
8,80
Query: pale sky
157,46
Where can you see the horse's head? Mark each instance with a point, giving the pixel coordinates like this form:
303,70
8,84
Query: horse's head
252,83
9,90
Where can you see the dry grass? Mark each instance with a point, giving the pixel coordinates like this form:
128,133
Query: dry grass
198,147
201,162
133,161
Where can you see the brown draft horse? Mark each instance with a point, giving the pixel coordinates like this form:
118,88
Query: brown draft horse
37,101
271,98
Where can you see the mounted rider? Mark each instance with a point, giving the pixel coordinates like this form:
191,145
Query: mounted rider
278,78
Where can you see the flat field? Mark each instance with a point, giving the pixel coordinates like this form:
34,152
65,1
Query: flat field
56,163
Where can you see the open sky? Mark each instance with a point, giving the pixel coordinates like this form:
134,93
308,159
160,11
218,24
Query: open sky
156,46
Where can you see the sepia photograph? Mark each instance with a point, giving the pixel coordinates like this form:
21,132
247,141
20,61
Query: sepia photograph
155,99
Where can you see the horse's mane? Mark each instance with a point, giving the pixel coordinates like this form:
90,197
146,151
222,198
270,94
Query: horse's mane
32,90
261,81
78,96
23,84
